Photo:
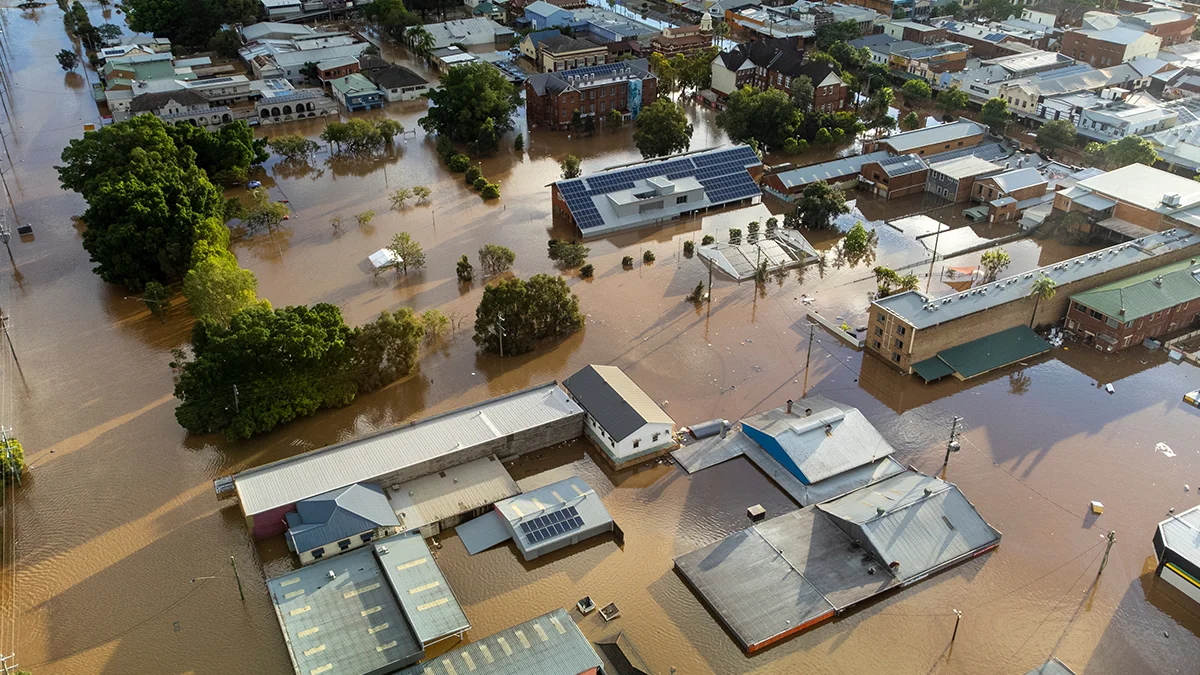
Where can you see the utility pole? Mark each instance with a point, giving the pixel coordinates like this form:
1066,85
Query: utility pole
237,578
1112,539
4,326
236,402
952,445
6,665
957,619
5,236
808,360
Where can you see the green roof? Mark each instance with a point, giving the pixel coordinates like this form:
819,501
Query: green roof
994,351
932,369
1140,296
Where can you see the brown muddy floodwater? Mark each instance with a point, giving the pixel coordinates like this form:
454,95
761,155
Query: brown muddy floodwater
122,551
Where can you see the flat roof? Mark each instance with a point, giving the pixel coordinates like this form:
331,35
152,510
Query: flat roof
965,167
544,517
551,644
993,351
353,619
1146,293
826,171
1144,186
287,481
923,311
1181,534
943,133
451,492
427,600
614,400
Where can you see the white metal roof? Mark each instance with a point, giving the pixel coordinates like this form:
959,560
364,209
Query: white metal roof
964,167
287,481
942,133
457,490
1010,181
1144,186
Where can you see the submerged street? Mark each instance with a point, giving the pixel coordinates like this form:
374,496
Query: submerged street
122,549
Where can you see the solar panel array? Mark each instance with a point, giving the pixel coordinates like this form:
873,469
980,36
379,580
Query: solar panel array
722,173
551,525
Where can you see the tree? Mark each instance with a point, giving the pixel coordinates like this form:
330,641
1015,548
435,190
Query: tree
879,103
364,218
435,323
68,59
518,313
994,262
265,368
849,57
952,99
459,163
109,33
227,154
384,350
568,254
586,271
768,116
662,129
357,136
388,129
490,191
158,300
819,204
951,8
1055,135
310,71
1130,150
479,183
392,18
12,464
570,167
399,197
495,259
664,70
190,23
468,97
370,50
910,122
422,193
293,146
1043,289
420,40
519,143
216,288
857,240
264,212
408,250
647,256
995,114
464,270
996,10
802,93
916,91
840,31
615,119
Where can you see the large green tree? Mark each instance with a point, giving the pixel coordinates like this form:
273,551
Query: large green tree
916,91
662,129
217,288
1055,135
468,97
385,349
843,31
767,116
1130,150
265,368
190,23
951,99
520,313
227,154
819,204
995,114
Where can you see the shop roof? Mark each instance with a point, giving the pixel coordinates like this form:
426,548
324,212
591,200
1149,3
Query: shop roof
1143,294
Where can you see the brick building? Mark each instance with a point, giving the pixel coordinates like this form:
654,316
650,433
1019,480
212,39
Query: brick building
1171,26
907,329
551,99
776,63
954,136
1132,201
1121,314
1109,47
681,40
895,176
954,178
560,52
912,31
1005,192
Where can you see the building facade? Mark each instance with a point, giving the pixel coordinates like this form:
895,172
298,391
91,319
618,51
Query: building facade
1111,47
776,64
356,92
681,40
622,420
551,99
560,52
915,32
1123,313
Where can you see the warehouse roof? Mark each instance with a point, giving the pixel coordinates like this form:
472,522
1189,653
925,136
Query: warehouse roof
614,400
821,437
902,165
1017,179
451,492
943,133
964,167
1144,186
1181,534
287,481
1146,293
826,171
338,514
993,351
549,645
428,602
543,517
923,311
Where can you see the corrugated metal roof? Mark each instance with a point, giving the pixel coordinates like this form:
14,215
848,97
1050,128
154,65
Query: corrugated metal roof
852,441
943,133
427,600
1010,181
614,400
1181,534
338,514
925,523
838,168
1146,293
549,645
994,351
457,490
289,480
964,167
902,165
572,492
1052,667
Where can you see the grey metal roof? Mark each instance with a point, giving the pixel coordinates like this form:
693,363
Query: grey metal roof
549,645
920,522
964,167
1181,534
569,493
287,481
838,168
1010,181
338,514
452,492
852,441
781,576
923,311
1052,667
352,620
943,133
903,165
614,400
482,533
427,600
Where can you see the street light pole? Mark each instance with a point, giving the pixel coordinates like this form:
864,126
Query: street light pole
952,445
808,360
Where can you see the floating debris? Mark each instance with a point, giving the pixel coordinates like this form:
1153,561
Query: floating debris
1164,449
1097,508
1109,388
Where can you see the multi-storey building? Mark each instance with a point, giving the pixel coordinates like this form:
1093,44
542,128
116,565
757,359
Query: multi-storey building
775,64
551,99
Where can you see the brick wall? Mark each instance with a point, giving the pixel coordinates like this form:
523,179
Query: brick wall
1098,54
1174,33
1159,323
934,148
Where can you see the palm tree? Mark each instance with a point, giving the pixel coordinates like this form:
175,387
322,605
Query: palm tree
1043,289
420,40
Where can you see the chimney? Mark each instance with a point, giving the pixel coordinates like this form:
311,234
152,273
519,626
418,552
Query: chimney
789,406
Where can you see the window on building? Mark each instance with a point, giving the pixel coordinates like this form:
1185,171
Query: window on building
318,552
878,331
682,199
878,344
344,544
896,358
898,343
879,316
901,330
654,438
1095,315
637,442
367,536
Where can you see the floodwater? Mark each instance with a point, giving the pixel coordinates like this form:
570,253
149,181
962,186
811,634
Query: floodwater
123,553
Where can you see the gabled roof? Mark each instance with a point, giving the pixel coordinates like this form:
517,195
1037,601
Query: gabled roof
778,55
1146,293
902,165
1017,179
943,133
394,77
614,400
542,8
154,101
562,44
339,514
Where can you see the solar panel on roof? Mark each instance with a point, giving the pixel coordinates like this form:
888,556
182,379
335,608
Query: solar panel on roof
552,525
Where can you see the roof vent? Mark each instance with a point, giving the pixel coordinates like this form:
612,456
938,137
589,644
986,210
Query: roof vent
879,511
383,550
928,491
331,574
1158,281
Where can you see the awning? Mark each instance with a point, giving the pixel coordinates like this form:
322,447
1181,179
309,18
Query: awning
482,533
932,369
994,351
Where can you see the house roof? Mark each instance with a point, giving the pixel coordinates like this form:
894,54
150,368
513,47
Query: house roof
394,77
338,514
1011,181
943,133
778,55
851,441
561,44
1146,293
541,519
542,8
556,82
614,400
876,40
154,101
902,165
964,167
354,83
622,656
538,35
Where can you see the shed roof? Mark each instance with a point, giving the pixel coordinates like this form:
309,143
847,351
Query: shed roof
943,133
1181,534
454,491
338,514
287,481
551,644
427,600
614,400
994,351
1146,293
851,441
1011,181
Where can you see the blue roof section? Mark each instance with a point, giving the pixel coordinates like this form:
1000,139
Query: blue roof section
338,514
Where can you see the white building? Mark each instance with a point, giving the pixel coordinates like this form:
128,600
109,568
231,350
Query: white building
1043,18
472,32
1111,117
620,418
